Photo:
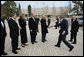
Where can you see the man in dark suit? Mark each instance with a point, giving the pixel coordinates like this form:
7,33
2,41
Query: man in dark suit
3,35
63,32
74,30
49,21
57,21
33,28
14,33
37,22
44,28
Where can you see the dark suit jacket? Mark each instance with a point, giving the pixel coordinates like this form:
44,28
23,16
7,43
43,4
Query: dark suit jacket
63,26
57,21
3,31
49,22
37,21
74,26
14,29
22,23
33,25
44,26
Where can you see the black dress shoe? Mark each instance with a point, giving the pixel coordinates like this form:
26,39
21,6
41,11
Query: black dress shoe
43,41
73,43
71,49
36,42
18,48
32,43
15,52
57,46
3,53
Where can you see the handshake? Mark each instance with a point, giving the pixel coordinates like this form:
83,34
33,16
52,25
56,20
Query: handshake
50,26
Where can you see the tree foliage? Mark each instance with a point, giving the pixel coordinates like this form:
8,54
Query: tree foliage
78,6
29,10
19,10
8,8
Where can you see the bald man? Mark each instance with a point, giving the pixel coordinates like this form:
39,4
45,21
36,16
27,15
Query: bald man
33,28
74,30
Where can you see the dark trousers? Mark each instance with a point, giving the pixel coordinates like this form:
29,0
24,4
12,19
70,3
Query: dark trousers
43,37
14,42
57,26
23,36
33,37
63,38
73,36
37,29
2,44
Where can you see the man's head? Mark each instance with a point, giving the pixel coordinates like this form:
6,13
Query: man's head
13,16
48,16
61,17
74,18
34,15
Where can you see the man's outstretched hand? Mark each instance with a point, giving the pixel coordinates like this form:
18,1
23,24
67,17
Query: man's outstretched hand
50,26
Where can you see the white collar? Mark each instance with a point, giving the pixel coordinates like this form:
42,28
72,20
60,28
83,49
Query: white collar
61,19
12,18
33,18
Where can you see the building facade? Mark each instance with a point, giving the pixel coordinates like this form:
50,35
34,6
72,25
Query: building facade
53,11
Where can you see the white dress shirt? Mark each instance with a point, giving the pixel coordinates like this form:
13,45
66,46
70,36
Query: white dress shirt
33,19
13,18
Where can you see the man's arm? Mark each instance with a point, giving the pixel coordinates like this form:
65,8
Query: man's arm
77,25
58,24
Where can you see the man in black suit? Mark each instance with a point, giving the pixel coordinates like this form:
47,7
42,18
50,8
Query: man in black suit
37,22
33,28
3,35
63,32
49,21
57,21
14,33
74,30
44,28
